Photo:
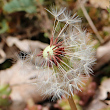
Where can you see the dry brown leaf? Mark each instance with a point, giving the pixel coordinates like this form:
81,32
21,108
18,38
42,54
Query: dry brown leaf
24,45
103,55
102,50
104,89
101,98
2,56
106,29
13,45
95,105
100,3
22,85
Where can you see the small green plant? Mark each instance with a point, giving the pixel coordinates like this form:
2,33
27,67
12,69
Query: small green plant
108,8
28,6
4,26
4,96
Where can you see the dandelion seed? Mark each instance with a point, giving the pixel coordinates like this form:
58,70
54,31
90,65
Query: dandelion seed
55,12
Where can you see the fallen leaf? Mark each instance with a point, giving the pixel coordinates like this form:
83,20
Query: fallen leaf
103,55
22,85
104,90
100,3
13,45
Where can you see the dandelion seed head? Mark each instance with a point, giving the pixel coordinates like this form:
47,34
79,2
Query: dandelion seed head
67,60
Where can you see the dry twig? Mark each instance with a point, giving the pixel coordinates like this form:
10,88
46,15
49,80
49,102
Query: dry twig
90,22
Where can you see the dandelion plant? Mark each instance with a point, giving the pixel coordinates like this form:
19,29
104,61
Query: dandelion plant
67,60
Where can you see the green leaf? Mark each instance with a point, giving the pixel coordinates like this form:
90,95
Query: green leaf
41,1
30,9
108,9
3,87
28,6
5,90
4,26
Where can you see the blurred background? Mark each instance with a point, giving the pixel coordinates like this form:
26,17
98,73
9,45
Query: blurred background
26,23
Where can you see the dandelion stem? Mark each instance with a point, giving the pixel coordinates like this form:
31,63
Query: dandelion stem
72,103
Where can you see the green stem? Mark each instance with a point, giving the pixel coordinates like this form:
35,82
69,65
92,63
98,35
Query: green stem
72,103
